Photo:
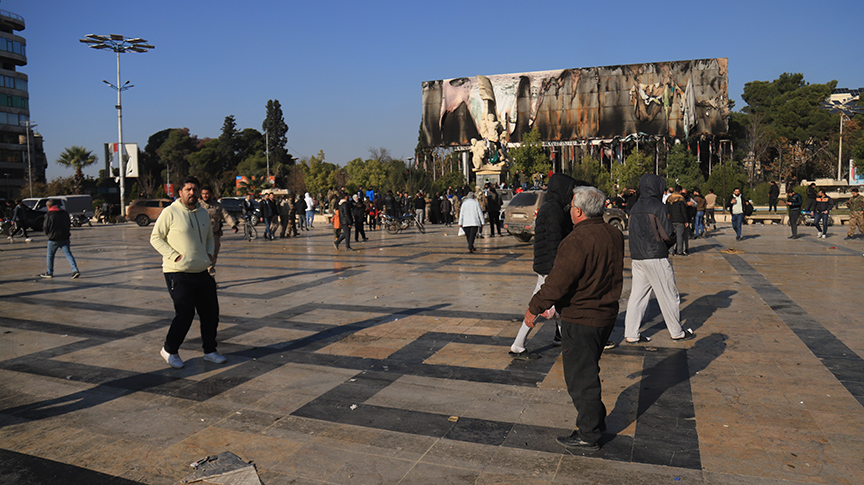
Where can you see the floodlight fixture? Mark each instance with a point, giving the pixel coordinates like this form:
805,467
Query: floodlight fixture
847,109
119,45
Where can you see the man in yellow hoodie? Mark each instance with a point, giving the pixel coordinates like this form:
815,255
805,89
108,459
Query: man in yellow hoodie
184,238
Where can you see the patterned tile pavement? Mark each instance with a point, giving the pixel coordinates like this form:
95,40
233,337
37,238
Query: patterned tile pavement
389,365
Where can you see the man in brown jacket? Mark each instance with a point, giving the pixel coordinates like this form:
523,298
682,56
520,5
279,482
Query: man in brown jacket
584,285
218,216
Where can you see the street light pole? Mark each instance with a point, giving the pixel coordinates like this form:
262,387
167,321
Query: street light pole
28,125
119,45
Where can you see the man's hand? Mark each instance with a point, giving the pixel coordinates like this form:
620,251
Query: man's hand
529,319
235,229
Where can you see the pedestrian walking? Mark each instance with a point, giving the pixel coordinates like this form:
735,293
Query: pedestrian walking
358,214
736,207
701,205
183,236
856,213
773,195
812,193
218,216
310,210
824,205
793,203
19,221
345,222
493,208
57,227
651,235
677,206
267,214
470,219
584,284
710,203
551,226
446,211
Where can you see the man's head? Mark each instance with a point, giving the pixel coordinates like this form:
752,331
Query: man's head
737,191
791,193
854,191
206,193
248,196
50,203
189,192
587,202
696,192
821,193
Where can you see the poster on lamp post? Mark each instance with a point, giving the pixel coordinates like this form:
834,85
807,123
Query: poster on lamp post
131,150
856,177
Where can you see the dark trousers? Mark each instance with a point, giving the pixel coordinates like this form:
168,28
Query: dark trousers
191,292
345,235
358,231
471,235
793,221
682,238
772,204
494,216
581,348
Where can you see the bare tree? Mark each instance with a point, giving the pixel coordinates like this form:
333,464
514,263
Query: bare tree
758,142
381,154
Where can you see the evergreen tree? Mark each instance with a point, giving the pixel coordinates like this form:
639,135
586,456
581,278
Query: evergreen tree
276,129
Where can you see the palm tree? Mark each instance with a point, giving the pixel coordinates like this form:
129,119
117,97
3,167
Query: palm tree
78,157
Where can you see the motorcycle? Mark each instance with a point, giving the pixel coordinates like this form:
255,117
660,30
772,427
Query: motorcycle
80,219
394,225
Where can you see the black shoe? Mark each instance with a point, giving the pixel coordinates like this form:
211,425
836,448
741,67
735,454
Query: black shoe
738,238
556,341
848,237
642,339
351,249
609,345
688,335
574,442
336,245
524,355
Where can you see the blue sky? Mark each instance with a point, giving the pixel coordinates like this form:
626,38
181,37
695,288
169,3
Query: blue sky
348,74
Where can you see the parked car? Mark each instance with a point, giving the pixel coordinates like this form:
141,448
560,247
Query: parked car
522,212
79,207
234,206
143,211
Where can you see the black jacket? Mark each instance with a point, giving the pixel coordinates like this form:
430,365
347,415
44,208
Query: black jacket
773,192
56,225
553,223
644,240
677,208
345,219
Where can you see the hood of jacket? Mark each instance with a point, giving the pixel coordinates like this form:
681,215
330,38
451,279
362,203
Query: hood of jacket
673,198
651,185
560,188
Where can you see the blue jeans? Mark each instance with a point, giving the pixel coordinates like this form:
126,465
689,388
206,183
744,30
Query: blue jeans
53,246
823,218
737,221
310,215
267,233
700,228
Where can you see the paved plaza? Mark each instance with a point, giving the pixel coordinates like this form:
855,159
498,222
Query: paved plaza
390,364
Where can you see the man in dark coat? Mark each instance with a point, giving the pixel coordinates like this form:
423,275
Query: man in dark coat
651,235
493,207
346,220
57,227
773,195
551,226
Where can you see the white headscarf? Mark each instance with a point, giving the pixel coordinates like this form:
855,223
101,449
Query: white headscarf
309,202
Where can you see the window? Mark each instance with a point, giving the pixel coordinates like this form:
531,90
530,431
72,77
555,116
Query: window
152,203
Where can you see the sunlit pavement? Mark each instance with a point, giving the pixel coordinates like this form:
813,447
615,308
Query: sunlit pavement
389,364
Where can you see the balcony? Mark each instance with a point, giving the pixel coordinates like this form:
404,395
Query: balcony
16,20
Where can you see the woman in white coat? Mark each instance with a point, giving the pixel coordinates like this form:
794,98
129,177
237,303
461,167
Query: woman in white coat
471,219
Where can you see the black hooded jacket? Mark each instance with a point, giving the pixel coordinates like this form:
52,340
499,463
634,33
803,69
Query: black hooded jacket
553,223
645,239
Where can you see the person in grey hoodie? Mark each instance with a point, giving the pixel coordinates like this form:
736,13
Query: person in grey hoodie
651,236
184,237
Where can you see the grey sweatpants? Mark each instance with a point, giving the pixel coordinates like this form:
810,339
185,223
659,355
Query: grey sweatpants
657,275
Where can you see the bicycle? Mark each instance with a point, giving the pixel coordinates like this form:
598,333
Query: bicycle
249,231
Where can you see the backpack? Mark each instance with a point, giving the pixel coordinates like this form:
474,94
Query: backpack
748,208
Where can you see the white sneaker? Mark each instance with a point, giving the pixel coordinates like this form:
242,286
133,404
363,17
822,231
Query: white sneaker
173,360
215,357
27,240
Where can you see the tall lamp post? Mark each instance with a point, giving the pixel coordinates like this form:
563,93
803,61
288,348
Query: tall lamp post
28,125
119,45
